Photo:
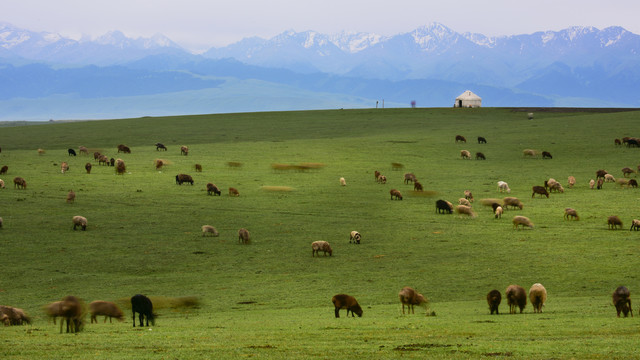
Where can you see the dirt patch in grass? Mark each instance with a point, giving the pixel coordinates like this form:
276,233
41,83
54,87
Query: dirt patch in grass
508,353
417,347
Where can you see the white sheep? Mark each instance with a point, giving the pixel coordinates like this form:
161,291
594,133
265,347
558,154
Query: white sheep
208,229
592,183
503,186
1,184
635,224
512,201
79,221
343,182
465,154
537,296
609,178
466,210
571,181
463,201
355,237
557,187
551,183
498,212
529,152
323,246
521,220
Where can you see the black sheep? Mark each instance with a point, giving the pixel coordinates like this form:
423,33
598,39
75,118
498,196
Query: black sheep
142,305
444,206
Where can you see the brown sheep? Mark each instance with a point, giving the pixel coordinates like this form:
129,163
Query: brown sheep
539,190
71,309
546,155
125,149
212,188
622,301
382,179
632,183
601,173
198,168
571,181
243,236
395,193
41,151
233,192
409,177
83,150
159,164
396,166
344,301
323,246
184,150
613,222
19,183
106,308
468,195
569,212
120,167
417,186
88,167
1,184
516,296
521,220
64,167
465,210
617,142
71,196
512,201
103,159
4,170
13,316
96,155
463,201
376,175
537,296
408,296
599,184
494,298
183,178
461,138
626,171
480,156
465,154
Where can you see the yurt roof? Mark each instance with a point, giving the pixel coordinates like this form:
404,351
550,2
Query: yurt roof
468,95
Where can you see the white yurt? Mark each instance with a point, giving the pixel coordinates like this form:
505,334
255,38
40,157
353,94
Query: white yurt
468,100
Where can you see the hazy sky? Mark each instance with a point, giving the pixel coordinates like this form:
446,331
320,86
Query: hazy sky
201,24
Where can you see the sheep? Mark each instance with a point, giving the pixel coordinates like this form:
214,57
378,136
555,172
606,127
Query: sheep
396,166
160,146
103,159
529,152
498,212
617,142
64,167
461,138
106,308
493,299
539,190
468,195
417,186
463,201
71,152
1,222
444,207
408,296
592,183
503,186
480,156
609,178
4,170
158,163
182,178
466,210
409,177
243,236
125,149
120,167
234,164
557,187
376,175
344,301
144,307
613,222
538,297
571,181
10,315
622,182
626,171
212,188
83,150
395,193
71,196
198,168
600,183
233,192
382,179
465,154
355,237
88,167
601,173
70,309
530,116
635,224
546,155
208,229
343,182
569,212
2,184
41,151
622,301
521,220
96,155
323,246
512,201
19,183
516,296
633,183
481,140
79,221
550,183
184,150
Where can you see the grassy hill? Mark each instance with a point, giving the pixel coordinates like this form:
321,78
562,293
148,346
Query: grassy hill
271,299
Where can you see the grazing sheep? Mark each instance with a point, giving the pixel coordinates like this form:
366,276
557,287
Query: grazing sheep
633,183
480,156
79,221
107,309
622,301
530,116
609,178
493,299
208,229
461,138
344,301
83,150
2,184
546,155
96,155
64,167
71,196
70,309
112,161
512,201
537,296
466,210
622,182
539,190
409,177
468,195
182,178
160,146
613,222
444,207
417,186
243,236
382,179
465,154
633,142
463,201
120,167
592,183
125,149
635,224
626,171
599,184
521,220
481,140
323,246
569,212
571,181
88,167
10,315
376,174
19,183
184,150
198,168
212,188
233,192
71,152
550,183
355,237
617,142
395,193
144,307
529,152
498,212
557,187
4,170
503,186
159,163
516,296
601,173
408,296
343,182
103,159
41,151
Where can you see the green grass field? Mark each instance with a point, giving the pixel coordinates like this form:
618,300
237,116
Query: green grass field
271,298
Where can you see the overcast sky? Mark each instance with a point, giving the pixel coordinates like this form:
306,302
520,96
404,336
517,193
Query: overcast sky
201,24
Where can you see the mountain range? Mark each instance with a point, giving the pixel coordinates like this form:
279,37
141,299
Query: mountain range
578,66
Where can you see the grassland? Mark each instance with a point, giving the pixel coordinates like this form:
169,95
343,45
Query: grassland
271,299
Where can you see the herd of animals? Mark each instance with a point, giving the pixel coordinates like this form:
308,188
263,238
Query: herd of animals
72,310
